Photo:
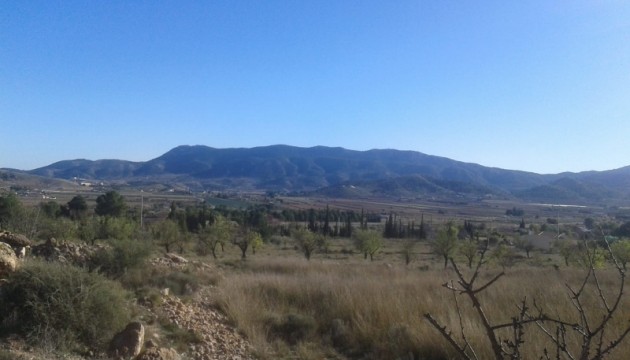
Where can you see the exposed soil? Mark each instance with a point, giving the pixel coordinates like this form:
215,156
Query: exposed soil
218,340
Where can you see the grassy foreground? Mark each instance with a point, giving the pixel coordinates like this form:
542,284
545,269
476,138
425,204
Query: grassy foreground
292,308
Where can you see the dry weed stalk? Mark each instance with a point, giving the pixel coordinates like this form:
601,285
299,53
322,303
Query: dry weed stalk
590,331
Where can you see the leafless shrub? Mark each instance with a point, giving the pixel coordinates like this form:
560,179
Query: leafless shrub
588,337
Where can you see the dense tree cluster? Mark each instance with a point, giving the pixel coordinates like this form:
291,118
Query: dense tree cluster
396,229
10,208
110,204
514,212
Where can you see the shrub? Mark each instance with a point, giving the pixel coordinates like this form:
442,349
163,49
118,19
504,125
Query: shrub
589,333
123,255
62,306
292,328
181,282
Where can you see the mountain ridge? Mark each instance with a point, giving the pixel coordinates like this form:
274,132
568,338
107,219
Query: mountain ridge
289,168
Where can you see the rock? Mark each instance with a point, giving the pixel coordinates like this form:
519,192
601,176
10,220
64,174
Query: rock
155,353
77,254
176,258
127,343
21,253
15,240
8,260
47,250
214,337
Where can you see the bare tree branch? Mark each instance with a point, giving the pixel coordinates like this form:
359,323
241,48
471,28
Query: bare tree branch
448,336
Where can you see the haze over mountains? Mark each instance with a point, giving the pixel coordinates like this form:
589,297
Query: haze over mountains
340,172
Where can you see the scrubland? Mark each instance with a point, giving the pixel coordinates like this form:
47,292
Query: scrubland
307,294
336,308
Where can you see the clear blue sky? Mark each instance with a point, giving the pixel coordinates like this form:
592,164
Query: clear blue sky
541,86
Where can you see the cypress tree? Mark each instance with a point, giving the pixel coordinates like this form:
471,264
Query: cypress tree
422,232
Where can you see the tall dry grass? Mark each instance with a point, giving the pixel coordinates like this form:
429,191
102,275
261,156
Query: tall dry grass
370,310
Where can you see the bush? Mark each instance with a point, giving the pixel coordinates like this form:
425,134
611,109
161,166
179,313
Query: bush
181,282
62,306
292,328
123,255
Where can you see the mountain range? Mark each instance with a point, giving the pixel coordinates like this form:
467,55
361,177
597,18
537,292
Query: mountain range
335,171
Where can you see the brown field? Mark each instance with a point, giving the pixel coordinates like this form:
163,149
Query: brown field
381,304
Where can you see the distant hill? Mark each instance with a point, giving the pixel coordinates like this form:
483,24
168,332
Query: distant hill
344,172
12,180
87,169
569,190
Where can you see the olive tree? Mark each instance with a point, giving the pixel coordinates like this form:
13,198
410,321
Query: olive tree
621,251
469,249
166,233
369,242
306,241
445,243
211,236
246,239
566,248
524,244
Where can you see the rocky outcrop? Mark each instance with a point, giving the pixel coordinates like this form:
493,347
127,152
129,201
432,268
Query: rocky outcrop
127,343
67,252
176,262
16,241
8,260
176,258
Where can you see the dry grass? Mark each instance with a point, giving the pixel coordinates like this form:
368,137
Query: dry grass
381,307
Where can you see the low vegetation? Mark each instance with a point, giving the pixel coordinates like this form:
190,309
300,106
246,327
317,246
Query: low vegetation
353,309
331,285
63,307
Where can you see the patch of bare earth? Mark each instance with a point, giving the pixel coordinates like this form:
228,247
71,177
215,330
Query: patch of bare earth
218,339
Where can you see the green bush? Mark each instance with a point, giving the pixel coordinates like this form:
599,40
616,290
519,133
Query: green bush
63,307
121,256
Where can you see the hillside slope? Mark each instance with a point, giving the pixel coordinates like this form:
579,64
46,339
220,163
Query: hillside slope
289,168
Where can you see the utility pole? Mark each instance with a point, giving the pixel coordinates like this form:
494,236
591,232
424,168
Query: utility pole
557,222
141,209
